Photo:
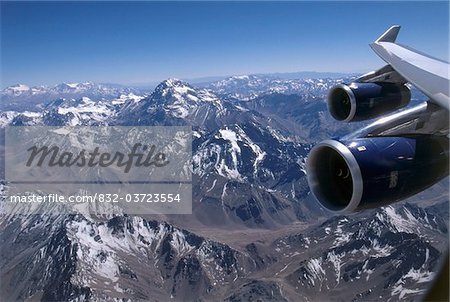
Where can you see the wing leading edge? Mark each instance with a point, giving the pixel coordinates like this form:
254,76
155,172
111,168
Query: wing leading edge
429,74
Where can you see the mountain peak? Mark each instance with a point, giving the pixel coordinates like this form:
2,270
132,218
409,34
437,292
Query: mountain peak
243,77
174,87
83,85
17,88
172,83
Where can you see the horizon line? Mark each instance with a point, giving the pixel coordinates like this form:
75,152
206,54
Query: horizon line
193,80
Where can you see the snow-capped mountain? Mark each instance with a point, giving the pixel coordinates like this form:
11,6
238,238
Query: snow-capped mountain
173,101
60,112
18,89
83,111
390,255
74,257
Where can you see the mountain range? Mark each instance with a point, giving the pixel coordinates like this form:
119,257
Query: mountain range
22,97
255,233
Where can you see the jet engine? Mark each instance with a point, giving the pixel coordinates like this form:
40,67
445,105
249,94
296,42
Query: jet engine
362,101
361,173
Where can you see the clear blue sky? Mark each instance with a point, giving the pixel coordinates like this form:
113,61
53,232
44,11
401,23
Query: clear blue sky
139,42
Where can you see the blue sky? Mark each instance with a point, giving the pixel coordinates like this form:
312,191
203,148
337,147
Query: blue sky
141,42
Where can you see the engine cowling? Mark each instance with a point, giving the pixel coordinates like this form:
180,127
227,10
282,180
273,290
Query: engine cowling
347,176
362,101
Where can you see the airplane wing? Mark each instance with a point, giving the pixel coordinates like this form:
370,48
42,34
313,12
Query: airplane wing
428,74
399,154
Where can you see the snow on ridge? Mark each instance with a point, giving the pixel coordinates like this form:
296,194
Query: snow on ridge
337,264
341,236
16,90
6,117
85,109
127,97
101,248
179,243
400,224
172,82
182,92
182,89
227,164
240,77
19,87
74,88
260,154
72,85
314,266
31,114
86,100
416,276
230,136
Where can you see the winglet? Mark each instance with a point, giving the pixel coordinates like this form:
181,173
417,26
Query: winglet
390,35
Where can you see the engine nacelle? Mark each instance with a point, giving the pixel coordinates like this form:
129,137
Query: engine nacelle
346,176
362,101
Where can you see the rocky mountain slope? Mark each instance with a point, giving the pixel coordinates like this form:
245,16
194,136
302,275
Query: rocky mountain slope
392,253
